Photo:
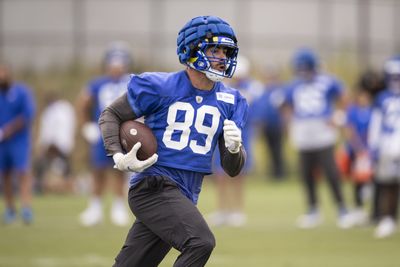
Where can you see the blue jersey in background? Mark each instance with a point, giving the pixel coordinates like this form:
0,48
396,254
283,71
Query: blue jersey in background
16,102
358,118
388,106
313,103
268,106
103,91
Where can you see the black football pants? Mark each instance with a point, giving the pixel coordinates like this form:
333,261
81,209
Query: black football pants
274,138
320,160
165,218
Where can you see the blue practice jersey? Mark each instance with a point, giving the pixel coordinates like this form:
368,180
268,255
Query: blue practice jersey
15,151
358,118
313,103
17,101
388,103
267,111
187,123
313,99
384,136
104,90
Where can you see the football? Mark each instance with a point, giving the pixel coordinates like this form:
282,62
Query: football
131,132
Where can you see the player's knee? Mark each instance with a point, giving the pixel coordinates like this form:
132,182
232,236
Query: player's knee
204,245
208,245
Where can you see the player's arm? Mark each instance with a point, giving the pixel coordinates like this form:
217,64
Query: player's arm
84,108
12,127
341,103
110,120
233,155
22,119
232,163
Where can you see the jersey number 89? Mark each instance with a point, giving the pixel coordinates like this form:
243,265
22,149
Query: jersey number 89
189,121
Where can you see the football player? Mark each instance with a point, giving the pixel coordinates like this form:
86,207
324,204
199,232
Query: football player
311,98
269,118
384,141
55,147
101,92
17,110
190,112
359,169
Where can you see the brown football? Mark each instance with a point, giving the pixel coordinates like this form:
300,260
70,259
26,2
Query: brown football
131,132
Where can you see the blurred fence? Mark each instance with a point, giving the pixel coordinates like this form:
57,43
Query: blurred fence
44,33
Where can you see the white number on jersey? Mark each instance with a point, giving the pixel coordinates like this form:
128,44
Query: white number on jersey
392,117
109,92
309,100
184,127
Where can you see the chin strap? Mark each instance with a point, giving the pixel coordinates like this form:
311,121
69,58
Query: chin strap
212,74
213,77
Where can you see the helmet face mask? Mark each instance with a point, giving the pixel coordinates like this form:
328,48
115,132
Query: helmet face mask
207,58
208,45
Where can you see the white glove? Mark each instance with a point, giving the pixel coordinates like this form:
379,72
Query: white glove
91,132
130,163
232,136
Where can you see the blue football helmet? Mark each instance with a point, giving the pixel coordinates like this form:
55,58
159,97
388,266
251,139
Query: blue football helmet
392,73
392,66
118,53
305,59
207,32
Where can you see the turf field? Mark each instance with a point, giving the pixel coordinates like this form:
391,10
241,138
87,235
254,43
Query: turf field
269,239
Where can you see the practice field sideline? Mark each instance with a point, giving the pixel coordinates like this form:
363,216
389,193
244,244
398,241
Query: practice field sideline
269,239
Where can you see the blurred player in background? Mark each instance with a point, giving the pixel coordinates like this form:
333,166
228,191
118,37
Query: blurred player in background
99,93
269,118
384,142
230,192
311,99
359,167
373,82
17,110
190,112
56,141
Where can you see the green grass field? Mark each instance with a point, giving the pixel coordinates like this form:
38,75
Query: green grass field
269,239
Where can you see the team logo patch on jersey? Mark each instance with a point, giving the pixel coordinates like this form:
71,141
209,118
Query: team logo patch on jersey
199,99
228,98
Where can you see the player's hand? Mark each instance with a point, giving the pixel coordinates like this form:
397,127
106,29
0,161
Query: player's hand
130,163
91,132
232,136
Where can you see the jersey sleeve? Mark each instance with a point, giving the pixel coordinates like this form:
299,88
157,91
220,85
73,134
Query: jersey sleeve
336,89
143,95
28,106
91,88
377,103
288,95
